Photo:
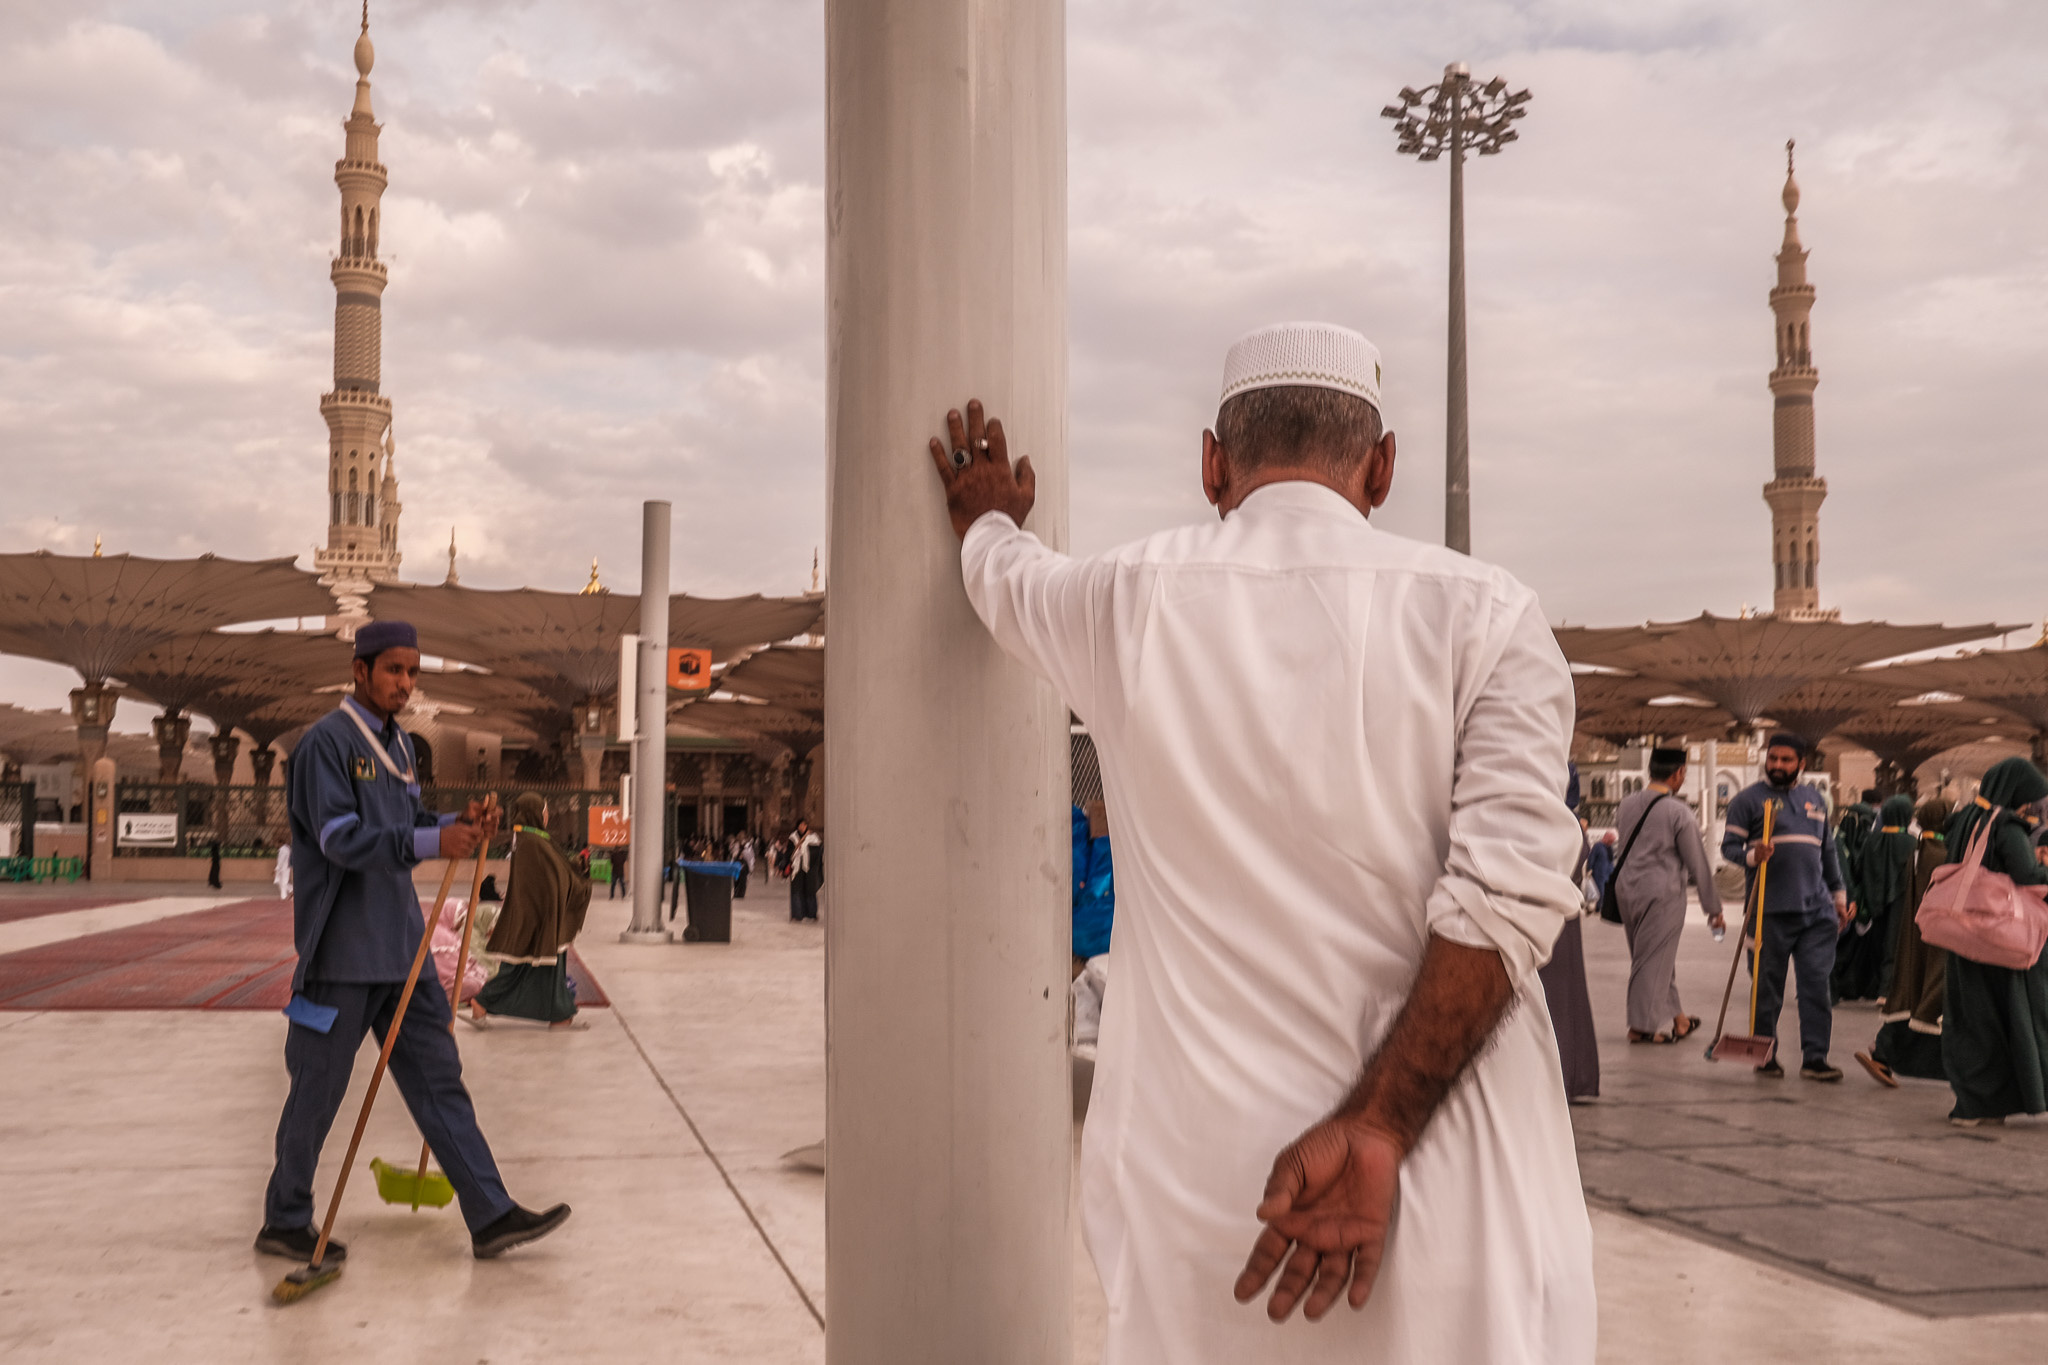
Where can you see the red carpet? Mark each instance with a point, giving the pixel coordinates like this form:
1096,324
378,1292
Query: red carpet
232,957
31,907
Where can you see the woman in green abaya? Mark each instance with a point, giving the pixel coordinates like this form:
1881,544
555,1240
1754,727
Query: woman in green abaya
1883,863
1916,972
1994,1033
546,899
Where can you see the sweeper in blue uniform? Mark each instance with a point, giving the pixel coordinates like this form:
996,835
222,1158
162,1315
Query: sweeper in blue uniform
358,830
1806,905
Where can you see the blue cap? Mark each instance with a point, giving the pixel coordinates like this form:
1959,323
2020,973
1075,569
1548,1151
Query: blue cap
378,636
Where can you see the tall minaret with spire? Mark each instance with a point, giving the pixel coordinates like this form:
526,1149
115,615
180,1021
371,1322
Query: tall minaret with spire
1795,495
362,478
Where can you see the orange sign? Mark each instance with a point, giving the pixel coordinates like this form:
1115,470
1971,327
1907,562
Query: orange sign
689,670
609,827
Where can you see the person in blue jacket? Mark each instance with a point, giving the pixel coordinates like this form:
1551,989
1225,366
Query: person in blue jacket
1806,904
358,830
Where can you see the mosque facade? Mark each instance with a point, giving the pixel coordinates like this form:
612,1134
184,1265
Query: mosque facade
362,481
1796,493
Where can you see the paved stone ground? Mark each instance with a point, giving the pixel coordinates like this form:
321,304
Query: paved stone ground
1868,1188
134,1145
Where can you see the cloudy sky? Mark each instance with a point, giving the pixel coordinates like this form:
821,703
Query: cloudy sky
607,283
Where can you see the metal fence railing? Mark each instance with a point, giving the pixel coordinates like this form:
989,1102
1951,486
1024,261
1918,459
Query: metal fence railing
185,819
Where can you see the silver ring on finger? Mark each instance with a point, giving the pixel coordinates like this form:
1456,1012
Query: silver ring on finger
982,445
960,458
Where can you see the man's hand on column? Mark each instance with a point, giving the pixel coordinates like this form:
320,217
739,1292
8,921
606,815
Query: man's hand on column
975,470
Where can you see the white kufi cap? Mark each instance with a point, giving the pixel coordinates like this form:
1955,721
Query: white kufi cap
1317,355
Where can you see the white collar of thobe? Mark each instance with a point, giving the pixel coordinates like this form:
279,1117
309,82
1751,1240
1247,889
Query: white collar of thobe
1298,495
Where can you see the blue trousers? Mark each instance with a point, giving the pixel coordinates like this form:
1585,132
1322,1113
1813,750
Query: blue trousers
425,1066
1807,944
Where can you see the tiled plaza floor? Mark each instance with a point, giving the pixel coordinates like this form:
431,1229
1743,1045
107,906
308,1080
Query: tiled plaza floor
1870,1188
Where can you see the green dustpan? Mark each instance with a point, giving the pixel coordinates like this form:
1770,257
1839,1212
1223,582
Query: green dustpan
403,1185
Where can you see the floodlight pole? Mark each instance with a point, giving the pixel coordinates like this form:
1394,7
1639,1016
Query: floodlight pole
1457,414
650,745
1451,116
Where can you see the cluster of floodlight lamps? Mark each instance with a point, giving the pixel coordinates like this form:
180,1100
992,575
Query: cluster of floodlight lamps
1458,116
1455,113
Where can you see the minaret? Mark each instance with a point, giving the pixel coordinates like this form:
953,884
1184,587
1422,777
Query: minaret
1795,495
362,481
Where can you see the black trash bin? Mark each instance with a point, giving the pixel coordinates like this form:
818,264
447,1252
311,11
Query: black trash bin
707,896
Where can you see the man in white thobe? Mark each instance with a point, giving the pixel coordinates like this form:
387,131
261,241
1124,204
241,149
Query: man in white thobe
1336,762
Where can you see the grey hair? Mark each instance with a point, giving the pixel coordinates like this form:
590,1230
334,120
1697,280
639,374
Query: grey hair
1295,424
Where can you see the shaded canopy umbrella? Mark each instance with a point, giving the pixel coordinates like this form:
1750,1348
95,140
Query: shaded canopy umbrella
1745,663
96,613
743,718
566,644
484,693
226,671
1814,710
1675,724
2014,680
23,732
1907,735
1969,761
793,675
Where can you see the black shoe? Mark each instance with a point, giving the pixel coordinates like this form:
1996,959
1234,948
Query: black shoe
298,1244
1822,1072
516,1228
1771,1071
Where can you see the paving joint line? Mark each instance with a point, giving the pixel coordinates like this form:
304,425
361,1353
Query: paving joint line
719,1166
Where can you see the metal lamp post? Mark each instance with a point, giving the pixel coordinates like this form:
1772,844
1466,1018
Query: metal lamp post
1456,115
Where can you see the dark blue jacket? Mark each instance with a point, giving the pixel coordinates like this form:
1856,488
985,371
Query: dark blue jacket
1805,871
358,830
1600,862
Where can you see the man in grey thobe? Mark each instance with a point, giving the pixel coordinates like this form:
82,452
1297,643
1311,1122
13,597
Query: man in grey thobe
1651,893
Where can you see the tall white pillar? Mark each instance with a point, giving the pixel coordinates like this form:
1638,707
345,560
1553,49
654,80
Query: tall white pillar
947,923
650,748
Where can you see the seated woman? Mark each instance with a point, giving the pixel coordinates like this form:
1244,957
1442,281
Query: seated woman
546,899
1994,1032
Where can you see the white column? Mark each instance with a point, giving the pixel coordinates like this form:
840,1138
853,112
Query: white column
947,924
650,749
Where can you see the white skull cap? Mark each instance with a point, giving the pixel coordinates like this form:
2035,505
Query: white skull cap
1318,355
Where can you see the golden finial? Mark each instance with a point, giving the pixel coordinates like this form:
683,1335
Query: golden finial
593,587
366,16
814,569
452,580
96,548
1788,141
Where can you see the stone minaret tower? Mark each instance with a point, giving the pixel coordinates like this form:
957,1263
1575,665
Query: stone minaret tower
362,480
1795,495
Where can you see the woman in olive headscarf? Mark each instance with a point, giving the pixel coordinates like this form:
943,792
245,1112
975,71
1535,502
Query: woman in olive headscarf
1916,972
1883,875
545,901
1994,1034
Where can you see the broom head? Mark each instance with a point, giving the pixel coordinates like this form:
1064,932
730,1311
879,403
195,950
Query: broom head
305,1280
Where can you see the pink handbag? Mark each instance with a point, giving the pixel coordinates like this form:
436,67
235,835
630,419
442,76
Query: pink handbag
1982,915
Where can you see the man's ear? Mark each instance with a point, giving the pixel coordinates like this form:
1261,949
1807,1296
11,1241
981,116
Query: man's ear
1379,473
1215,469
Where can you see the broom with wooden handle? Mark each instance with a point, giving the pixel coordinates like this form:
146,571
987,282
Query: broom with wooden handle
476,889
315,1274
1738,1047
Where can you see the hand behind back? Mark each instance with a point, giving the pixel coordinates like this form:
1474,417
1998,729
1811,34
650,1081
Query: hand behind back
1329,1205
